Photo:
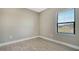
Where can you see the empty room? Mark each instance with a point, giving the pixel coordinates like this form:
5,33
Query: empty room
39,29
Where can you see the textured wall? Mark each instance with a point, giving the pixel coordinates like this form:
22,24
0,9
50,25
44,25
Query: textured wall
48,27
23,23
18,23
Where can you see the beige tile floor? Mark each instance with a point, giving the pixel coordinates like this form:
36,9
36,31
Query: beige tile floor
37,44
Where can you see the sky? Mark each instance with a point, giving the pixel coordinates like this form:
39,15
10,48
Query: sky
66,16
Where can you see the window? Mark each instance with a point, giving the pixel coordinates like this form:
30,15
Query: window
66,22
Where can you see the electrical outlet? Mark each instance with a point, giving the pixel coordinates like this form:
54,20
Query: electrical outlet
10,37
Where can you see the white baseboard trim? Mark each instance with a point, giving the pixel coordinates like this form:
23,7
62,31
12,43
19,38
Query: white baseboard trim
62,43
56,41
15,41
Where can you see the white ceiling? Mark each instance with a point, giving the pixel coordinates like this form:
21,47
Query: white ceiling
37,9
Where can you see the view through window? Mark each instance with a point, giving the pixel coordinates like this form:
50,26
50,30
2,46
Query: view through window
66,22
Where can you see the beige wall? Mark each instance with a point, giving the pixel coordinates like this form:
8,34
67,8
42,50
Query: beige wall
48,27
18,23
23,23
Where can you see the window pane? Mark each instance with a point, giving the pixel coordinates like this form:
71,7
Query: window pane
66,28
66,15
